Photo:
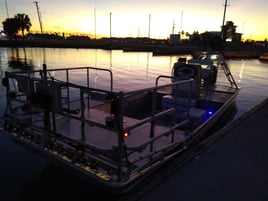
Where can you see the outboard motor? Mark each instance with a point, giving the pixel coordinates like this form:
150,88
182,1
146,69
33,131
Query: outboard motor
184,71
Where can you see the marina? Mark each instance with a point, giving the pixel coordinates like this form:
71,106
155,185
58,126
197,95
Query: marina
246,66
133,116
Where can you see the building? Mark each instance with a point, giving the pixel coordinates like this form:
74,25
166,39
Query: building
229,32
174,39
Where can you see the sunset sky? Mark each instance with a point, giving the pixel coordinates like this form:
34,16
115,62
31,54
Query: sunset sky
131,17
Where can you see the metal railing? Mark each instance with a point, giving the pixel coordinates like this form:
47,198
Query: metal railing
124,159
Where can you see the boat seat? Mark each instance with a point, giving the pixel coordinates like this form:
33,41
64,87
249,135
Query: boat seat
196,114
182,104
168,99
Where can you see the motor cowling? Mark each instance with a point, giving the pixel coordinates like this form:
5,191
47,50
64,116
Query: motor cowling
184,71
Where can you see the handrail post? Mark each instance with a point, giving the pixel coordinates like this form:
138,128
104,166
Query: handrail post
82,116
119,119
154,106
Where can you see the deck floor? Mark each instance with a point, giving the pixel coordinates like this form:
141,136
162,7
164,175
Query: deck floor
107,139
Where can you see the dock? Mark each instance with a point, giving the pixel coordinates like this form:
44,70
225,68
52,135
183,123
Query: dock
231,166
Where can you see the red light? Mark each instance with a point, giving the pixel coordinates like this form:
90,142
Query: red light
125,134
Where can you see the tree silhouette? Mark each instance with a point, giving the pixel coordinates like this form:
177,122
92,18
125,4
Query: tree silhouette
11,27
24,22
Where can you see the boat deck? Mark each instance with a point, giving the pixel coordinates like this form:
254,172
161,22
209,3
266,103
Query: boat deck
111,137
107,138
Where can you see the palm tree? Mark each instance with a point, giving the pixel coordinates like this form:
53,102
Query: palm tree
11,27
24,22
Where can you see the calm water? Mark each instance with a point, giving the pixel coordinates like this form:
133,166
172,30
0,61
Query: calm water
134,70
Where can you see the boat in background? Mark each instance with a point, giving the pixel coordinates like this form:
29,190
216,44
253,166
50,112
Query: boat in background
264,57
116,139
234,54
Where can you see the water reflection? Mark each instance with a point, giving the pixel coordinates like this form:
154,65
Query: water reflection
241,71
18,61
111,59
133,70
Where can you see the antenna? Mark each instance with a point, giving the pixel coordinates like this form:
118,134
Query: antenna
39,16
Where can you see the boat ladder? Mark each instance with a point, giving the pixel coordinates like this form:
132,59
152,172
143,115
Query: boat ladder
227,72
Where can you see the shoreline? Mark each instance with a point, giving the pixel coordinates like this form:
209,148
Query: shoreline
157,49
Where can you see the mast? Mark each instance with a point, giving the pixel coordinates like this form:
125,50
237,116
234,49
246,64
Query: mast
181,21
7,9
223,20
173,26
39,16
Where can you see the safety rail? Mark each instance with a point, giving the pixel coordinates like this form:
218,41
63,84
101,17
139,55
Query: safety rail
120,159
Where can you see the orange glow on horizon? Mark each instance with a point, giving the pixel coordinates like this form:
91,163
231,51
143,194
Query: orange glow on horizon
131,19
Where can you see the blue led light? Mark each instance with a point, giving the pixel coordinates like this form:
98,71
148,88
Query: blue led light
210,112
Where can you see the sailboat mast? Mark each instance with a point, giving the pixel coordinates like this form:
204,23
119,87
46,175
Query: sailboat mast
173,26
224,13
223,21
39,16
181,21
7,9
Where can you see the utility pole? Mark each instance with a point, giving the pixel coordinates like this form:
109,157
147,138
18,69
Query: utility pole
39,16
110,29
110,25
149,29
95,23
